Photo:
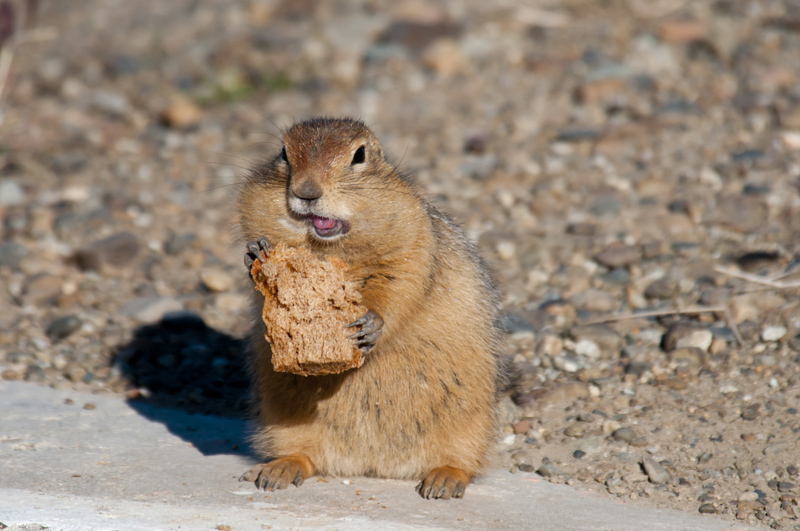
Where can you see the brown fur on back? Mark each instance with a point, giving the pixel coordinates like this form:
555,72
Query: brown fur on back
426,395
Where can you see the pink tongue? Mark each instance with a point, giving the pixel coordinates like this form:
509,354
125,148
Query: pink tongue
323,223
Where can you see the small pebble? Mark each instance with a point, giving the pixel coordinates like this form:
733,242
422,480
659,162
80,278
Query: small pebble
624,434
708,508
216,280
773,333
654,470
89,406
64,326
548,470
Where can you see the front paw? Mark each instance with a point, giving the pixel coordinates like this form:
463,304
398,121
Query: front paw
256,250
371,329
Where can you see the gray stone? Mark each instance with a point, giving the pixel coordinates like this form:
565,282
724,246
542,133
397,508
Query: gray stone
547,470
603,336
689,358
117,250
624,434
564,394
683,334
744,214
619,255
177,243
64,326
660,289
589,445
11,193
41,288
595,300
479,167
111,102
654,470
773,333
11,254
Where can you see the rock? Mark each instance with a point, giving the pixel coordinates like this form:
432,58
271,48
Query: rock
751,412
550,345
181,113
11,254
506,250
518,327
619,255
444,57
150,309
609,341
177,243
774,449
743,214
42,288
507,411
216,280
709,508
682,31
64,326
689,358
624,434
479,167
654,470
605,205
522,427
587,348
773,333
34,373
567,363
577,429
589,445
564,394
685,334
117,250
111,102
748,496
547,470
596,301
660,289
11,193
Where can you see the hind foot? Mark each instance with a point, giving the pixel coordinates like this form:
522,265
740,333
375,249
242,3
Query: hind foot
280,473
444,482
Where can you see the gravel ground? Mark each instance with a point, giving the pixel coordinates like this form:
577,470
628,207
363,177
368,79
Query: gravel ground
630,168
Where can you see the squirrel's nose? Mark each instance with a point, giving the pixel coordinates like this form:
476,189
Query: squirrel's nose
307,190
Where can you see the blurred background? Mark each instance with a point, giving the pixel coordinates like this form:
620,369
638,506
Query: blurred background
609,157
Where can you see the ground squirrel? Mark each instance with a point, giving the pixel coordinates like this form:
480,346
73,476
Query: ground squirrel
423,404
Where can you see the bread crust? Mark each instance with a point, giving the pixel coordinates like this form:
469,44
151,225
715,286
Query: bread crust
308,304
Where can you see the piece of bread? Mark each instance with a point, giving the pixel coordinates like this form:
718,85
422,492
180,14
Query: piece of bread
307,305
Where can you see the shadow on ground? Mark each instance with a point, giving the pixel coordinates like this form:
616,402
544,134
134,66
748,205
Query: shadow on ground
181,367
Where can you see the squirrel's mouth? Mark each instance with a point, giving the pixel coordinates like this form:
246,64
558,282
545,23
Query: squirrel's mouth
328,227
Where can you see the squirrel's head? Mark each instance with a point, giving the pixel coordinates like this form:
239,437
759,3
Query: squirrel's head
330,186
331,165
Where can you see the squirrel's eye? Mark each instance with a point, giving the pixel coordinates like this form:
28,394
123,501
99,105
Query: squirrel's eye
359,156
284,158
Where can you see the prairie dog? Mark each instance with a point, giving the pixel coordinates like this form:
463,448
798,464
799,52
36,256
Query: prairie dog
423,404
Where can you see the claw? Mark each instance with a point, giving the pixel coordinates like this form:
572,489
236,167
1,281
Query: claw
371,329
254,249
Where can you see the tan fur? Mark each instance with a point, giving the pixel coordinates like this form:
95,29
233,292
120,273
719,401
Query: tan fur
426,395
